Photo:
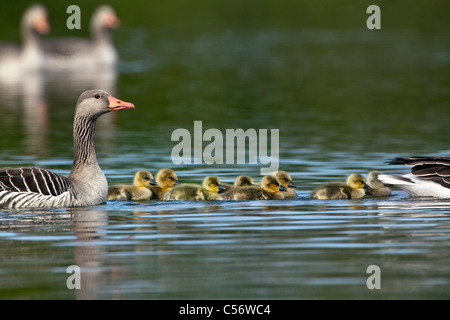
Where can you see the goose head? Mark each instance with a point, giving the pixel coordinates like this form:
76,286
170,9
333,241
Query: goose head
271,184
243,181
103,20
34,23
285,179
212,184
166,178
93,103
143,178
356,181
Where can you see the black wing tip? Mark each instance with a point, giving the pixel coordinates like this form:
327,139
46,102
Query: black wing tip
398,160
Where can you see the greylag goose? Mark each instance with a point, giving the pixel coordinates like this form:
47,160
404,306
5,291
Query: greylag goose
165,180
28,187
376,187
241,181
353,188
270,189
15,60
96,52
429,177
286,181
186,191
138,191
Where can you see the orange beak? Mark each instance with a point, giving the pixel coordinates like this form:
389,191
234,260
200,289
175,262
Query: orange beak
112,21
41,25
116,104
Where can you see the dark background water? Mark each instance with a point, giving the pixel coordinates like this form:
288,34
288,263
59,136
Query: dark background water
344,99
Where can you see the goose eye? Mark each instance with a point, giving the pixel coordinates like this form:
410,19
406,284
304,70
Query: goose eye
276,184
170,178
97,96
146,178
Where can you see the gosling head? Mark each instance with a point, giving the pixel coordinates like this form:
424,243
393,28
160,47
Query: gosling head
212,184
271,184
373,181
166,178
143,178
285,179
356,181
243,181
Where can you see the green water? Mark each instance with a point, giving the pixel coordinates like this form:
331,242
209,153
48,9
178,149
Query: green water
344,98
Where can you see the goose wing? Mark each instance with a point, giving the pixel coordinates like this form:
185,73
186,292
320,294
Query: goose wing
436,169
35,180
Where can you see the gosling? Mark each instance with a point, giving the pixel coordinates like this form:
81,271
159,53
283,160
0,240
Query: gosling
165,180
139,191
286,181
353,188
376,187
241,181
186,191
270,189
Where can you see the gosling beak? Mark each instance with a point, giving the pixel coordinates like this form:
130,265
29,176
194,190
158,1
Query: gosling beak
292,184
153,182
116,104
222,188
176,182
282,188
366,186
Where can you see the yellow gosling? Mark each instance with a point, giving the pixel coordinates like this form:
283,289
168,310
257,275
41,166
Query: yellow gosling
353,188
286,181
241,181
186,191
165,180
269,189
139,191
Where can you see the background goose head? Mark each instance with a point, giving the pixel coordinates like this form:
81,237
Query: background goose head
143,178
271,184
285,179
103,21
212,184
166,178
34,23
356,181
93,103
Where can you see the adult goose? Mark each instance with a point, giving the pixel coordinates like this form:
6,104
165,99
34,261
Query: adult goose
96,52
29,187
16,60
429,177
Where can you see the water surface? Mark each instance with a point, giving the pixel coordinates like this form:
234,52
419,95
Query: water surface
344,98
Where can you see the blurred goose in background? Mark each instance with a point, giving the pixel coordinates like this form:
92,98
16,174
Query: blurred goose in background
138,191
28,187
286,181
18,60
376,187
353,188
240,181
429,177
165,180
186,191
269,189
94,53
